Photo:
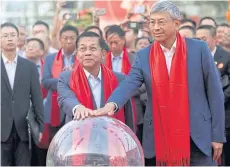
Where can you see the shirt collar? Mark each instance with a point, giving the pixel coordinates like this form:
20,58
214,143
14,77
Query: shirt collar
65,54
172,48
5,59
121,55
214,51
89,75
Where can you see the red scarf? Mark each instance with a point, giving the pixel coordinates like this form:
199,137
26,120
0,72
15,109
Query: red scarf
170,106
79,85
126,66
125,61
56,70
44,91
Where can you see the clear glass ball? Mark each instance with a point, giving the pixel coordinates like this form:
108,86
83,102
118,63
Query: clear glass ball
96,141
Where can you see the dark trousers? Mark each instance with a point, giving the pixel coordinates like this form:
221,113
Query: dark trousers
226,150
139,133
15,152
197,158
38,157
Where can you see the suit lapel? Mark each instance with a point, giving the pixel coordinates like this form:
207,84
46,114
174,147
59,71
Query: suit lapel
5,76
18,72
217,55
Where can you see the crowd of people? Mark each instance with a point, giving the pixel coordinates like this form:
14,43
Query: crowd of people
68,74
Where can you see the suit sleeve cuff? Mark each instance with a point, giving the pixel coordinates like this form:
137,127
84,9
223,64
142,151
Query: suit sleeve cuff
116,107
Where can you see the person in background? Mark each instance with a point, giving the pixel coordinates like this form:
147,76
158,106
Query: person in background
19,87
223,36
95,29
34,52
42,27
46,41
55,63
184,116
187,31
120,60
130,37
141,43
188,22
220,33
208,21
22,41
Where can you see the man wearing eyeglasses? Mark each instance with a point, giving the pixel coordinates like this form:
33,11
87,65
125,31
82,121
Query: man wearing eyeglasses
54,64
90,84
19,86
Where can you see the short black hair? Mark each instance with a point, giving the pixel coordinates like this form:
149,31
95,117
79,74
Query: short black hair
115,29
189,28
208,18
42,46
90,34
9,24
94,27
190,21
224,25
105,46
210,28
138,39
40,22
69,28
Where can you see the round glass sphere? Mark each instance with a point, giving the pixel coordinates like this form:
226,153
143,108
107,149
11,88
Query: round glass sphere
96,141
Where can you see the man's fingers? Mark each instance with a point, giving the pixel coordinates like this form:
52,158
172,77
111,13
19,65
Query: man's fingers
214,154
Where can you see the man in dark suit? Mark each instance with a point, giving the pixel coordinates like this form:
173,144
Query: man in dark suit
54,64
98,80
184,117
20,85
222,61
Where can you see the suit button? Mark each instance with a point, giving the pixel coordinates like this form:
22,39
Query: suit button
13,101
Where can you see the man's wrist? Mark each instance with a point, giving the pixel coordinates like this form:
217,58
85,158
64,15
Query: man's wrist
116,108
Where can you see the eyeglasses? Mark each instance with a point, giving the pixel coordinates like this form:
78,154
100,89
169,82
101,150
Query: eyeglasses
91,49
6,36
160,23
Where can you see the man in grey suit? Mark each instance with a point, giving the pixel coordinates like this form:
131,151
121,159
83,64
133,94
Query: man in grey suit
20,85
203,129
53,66
90,56
120,60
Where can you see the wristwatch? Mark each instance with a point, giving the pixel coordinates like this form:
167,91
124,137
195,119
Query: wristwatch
116,107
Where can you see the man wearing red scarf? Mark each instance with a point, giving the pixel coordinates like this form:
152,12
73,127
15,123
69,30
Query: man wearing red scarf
90,83
119,60
54,64
184,117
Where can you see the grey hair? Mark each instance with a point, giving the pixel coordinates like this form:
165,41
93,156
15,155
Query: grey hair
166,6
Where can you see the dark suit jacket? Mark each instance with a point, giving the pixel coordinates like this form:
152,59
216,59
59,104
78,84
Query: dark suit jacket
67,99
15,103
222,59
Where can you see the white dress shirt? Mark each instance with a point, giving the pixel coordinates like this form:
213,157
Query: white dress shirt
169,55
117,62
213,52
10,69
68,59
95,85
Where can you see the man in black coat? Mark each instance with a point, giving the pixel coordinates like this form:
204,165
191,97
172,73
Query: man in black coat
20,86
